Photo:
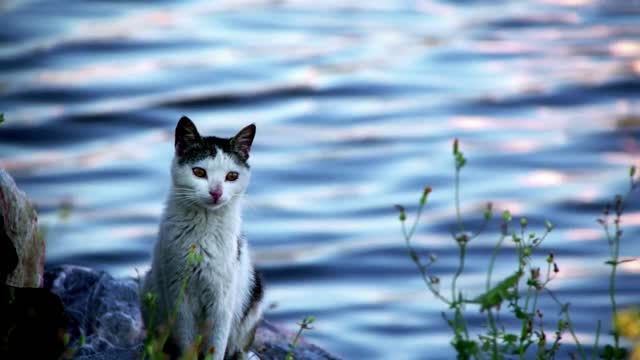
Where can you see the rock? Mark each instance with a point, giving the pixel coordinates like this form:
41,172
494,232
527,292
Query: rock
21,227
32,324
29,315
107,312
272,342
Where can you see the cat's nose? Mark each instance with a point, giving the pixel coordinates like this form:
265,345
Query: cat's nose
215,194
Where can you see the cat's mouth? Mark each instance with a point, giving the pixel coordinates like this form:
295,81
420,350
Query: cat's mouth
214,205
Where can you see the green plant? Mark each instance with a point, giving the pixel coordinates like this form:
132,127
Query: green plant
304,325
613,241
520,291
155,341
70,350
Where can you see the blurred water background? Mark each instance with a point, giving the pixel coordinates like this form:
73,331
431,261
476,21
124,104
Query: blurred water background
356,105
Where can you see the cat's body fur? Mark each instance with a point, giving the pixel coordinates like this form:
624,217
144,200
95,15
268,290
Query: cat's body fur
223,293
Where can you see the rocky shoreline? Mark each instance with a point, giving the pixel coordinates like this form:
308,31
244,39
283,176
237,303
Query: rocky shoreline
106,311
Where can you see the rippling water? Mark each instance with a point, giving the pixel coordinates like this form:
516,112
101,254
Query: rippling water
356,104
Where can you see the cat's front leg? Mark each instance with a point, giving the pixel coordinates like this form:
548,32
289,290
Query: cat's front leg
219,332
184,328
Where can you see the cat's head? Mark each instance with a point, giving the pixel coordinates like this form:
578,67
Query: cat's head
209,171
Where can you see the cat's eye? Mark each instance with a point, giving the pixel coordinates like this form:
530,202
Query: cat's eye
199,172
232,176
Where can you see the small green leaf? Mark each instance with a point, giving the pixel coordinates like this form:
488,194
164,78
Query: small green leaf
632,169
1,118
499,293
520,314
548,225
510,338
625,261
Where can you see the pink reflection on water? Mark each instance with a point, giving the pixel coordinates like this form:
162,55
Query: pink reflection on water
95,72
503,47
587,195
571,3
543,178
130,149
625,48
631,218
134,232
635,66
575,269
621,158
632,267
434,7
522,146
133,24
472,123
583,234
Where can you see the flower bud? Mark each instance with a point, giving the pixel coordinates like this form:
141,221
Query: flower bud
402,216
550,258
425,193
488,211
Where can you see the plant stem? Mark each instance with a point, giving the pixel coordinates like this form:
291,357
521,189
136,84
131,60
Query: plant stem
304,325
594,353
565,310
457,200
459,271
492,323
614,247
416,259
614,306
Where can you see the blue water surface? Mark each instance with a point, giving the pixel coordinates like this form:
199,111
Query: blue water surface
356,105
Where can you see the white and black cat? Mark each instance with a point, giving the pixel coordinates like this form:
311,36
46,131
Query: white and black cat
222,300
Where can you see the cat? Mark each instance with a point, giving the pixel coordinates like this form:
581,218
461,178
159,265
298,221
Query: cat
223,292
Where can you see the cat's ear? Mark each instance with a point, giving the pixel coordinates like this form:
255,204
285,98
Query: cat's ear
186,134
241,143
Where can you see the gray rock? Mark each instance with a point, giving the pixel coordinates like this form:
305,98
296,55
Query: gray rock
107,312
21,227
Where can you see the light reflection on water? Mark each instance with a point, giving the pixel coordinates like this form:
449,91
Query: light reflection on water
356,105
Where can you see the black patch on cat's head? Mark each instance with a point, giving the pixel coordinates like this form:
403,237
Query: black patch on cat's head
191,147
